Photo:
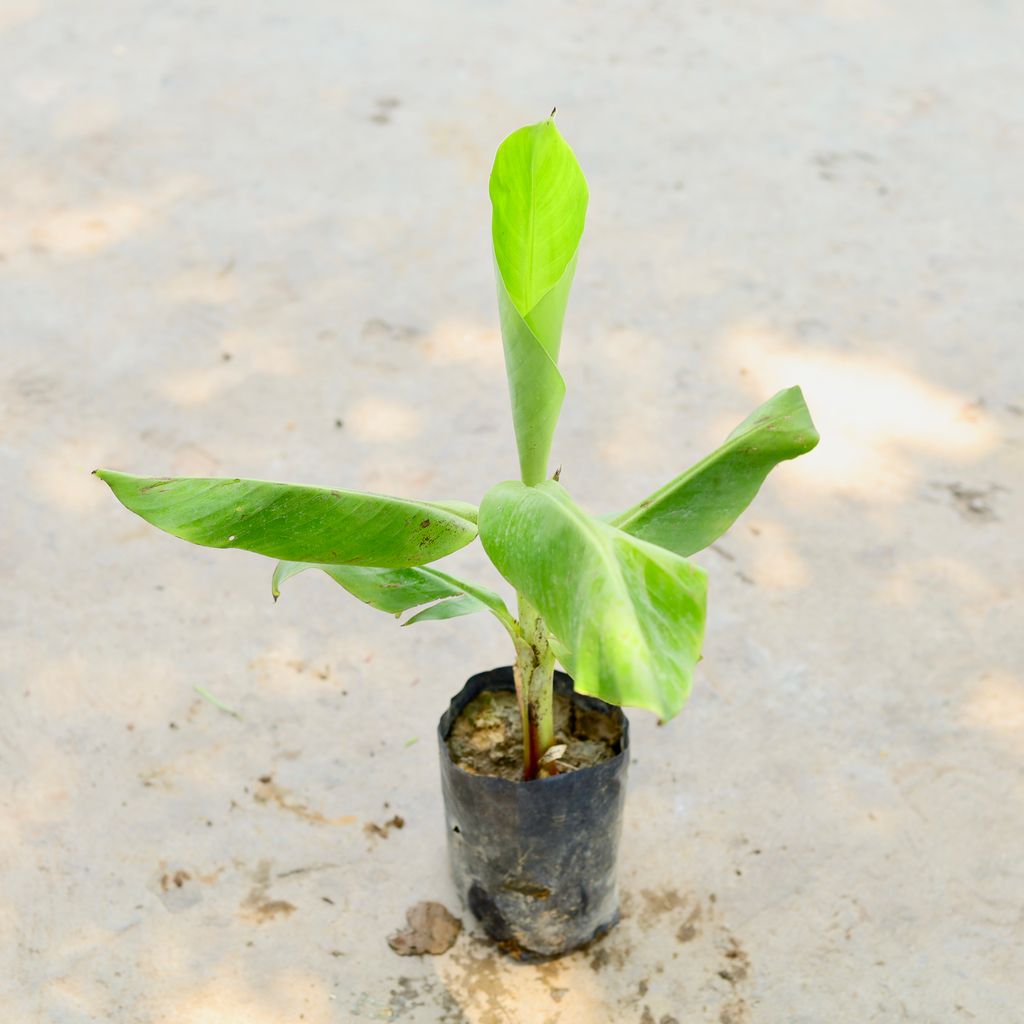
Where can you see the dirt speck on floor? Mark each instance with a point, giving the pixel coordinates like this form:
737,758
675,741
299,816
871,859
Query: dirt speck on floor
690,928
975,504
735,1013
371,828
257,906
269,792
177,888
608,954
487,738
178,879
737,965
659,902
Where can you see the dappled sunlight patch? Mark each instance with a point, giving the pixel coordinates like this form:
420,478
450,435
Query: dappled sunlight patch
191,460
59,684
286,667
89,229
194,387
484,982
210,284
15,12
874,416
773,561
632,442
455,141
633,371
244,355
39,87
63,475
637,402
857,10
44,222
45,793
383,419
899,590
996,704
458,342
275,361
233,997
401,473
80,988
970,579
620,345
84,687
87,117
913,583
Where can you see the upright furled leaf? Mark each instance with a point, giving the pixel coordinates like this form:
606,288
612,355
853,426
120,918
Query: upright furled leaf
697,507
539,199
628,616
295,522
397,590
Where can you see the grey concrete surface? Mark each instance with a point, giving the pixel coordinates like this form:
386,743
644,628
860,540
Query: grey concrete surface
252,239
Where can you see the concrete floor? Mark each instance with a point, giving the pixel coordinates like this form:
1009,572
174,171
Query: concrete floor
252,239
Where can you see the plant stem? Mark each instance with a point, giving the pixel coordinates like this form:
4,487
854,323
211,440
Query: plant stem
534,675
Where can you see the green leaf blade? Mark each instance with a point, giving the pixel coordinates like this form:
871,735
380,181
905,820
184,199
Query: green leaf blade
539,198
397,590
388,590
295,522
449,608
697,507
629,616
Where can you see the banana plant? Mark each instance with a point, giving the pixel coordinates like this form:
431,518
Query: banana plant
614,599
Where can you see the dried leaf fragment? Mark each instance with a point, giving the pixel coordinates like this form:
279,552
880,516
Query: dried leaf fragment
431,929
554,753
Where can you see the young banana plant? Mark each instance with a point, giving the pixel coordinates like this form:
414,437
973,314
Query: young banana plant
614,599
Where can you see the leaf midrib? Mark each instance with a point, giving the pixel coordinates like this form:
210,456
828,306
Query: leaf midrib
216,483
593,529
532,231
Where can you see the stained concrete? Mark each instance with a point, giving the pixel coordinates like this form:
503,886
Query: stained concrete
252,239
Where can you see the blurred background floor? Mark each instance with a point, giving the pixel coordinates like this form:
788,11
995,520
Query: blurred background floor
253,239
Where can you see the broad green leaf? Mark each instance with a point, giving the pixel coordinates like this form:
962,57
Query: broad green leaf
297,523
397,590
697,507
540,203
629,616
539,199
